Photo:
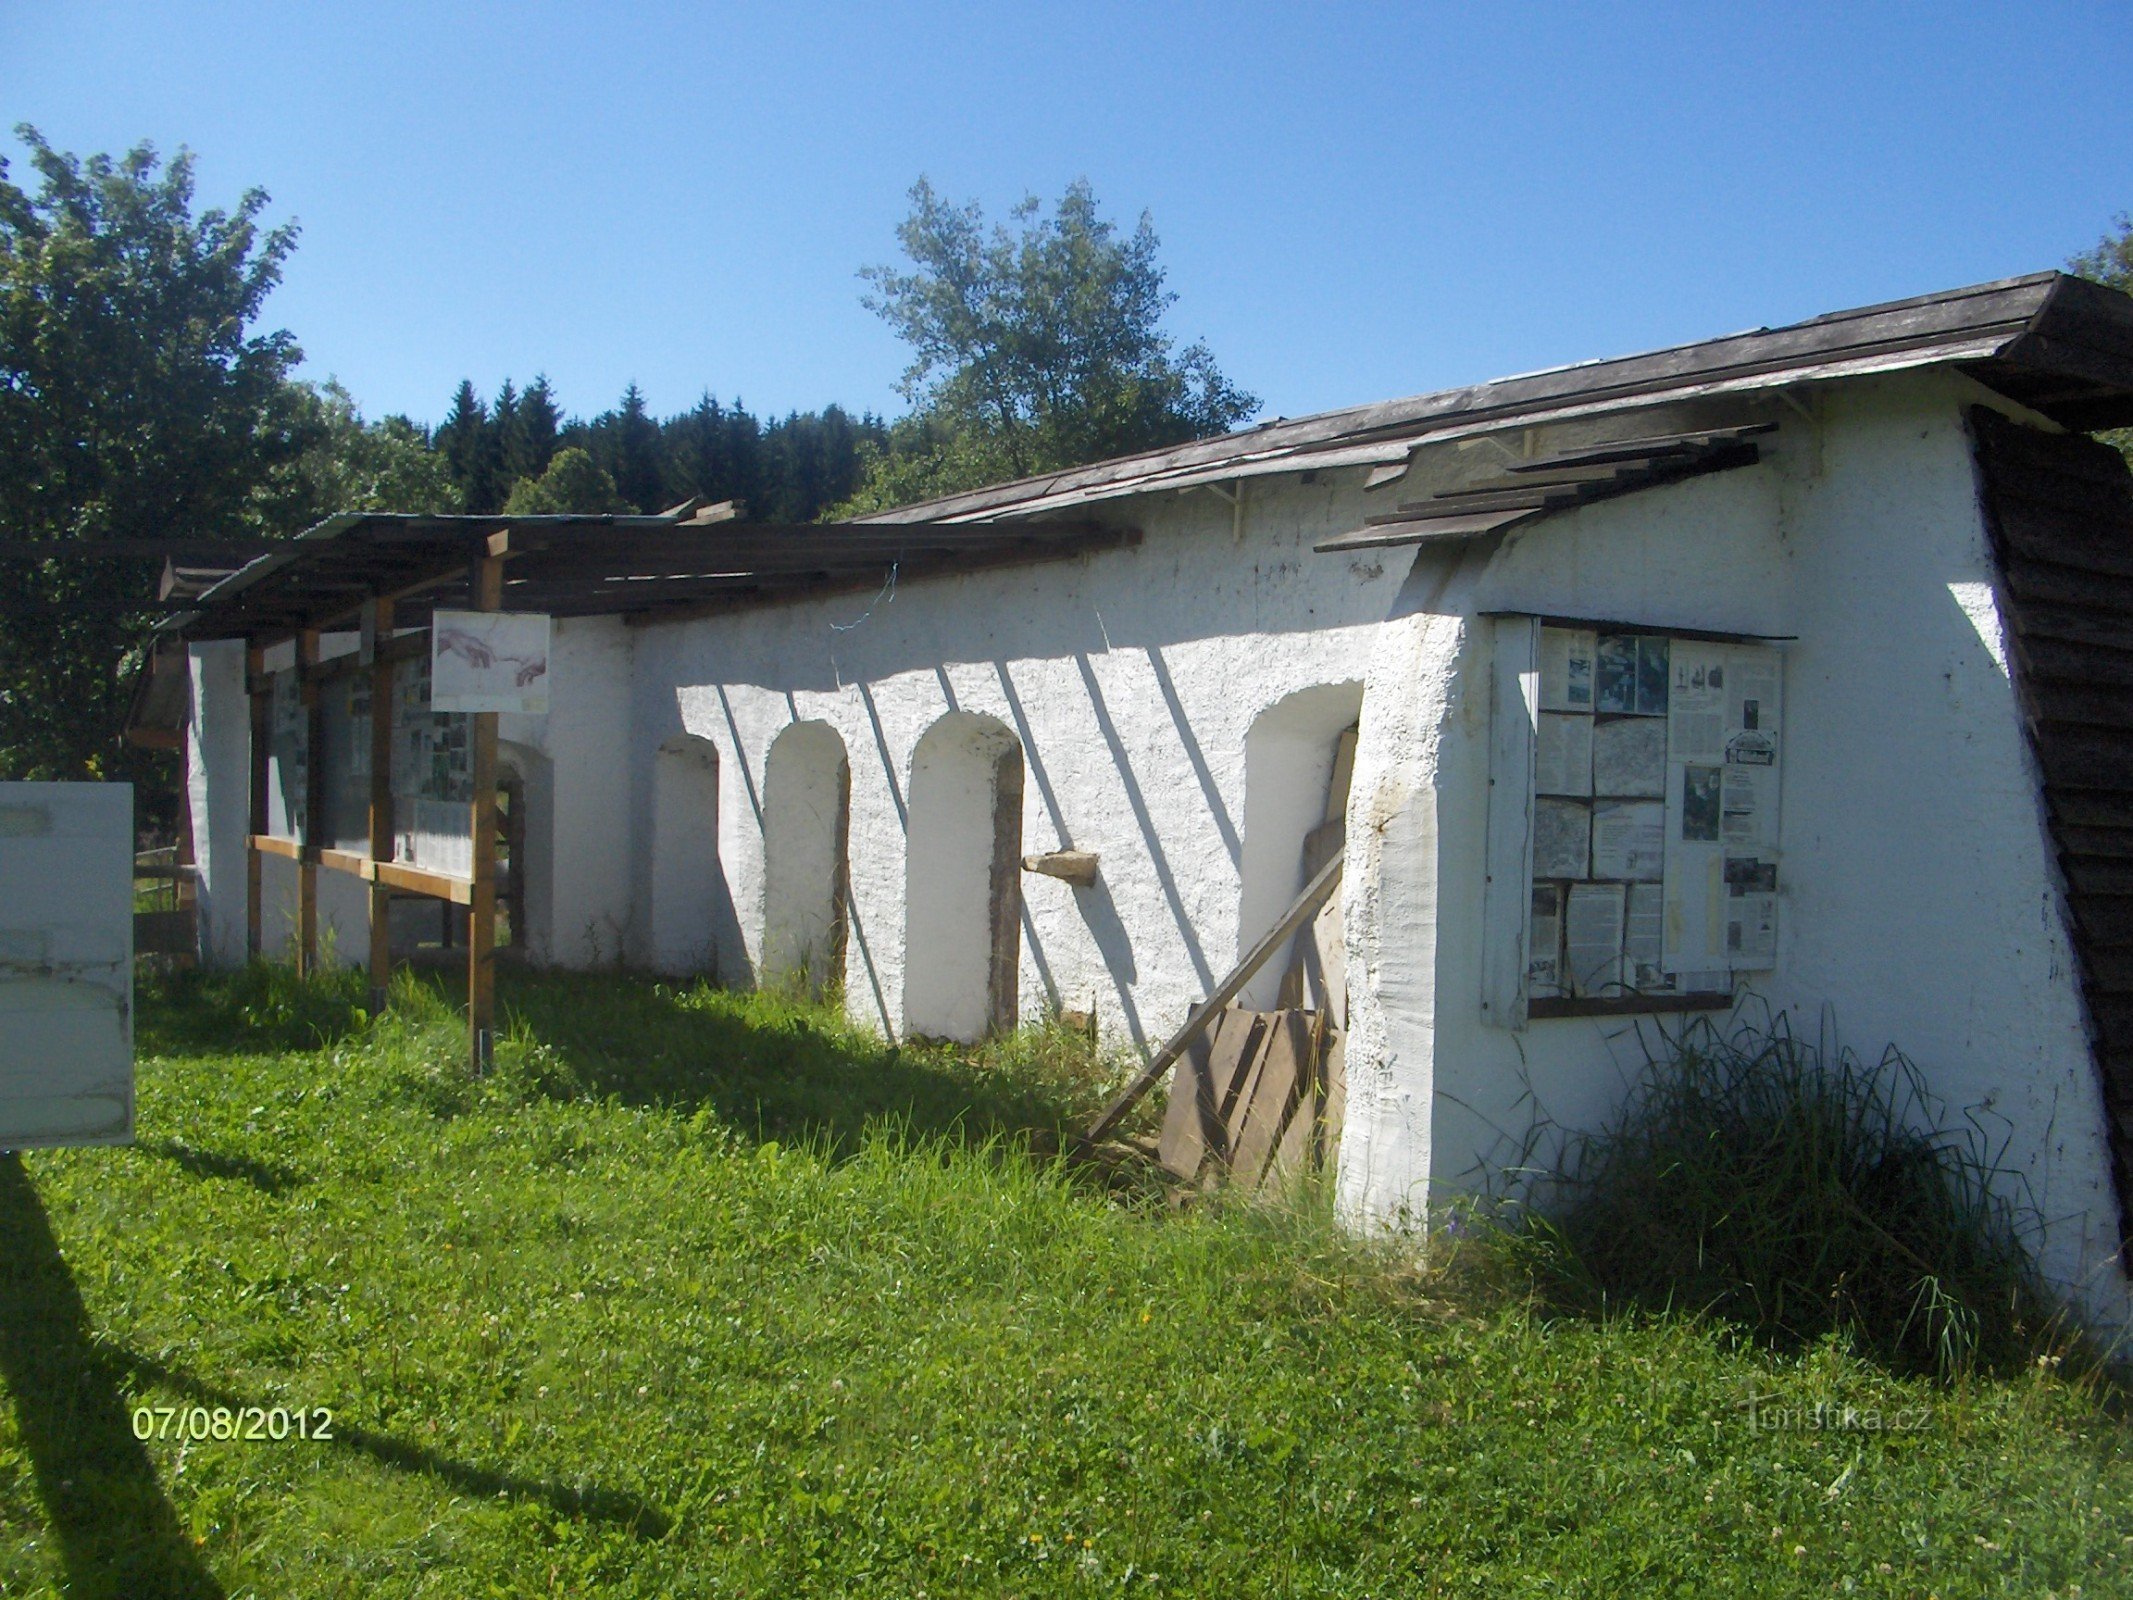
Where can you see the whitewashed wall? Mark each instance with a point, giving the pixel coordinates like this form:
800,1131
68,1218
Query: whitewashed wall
1131,679
216,788
1917,902
1917,905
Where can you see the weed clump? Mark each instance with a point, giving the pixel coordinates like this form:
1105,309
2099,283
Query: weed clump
1799,1194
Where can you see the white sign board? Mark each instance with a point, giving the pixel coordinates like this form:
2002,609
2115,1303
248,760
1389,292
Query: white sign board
489,661
66,964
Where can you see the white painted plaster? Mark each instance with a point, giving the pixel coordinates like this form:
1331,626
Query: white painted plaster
218,743
951,918
1130,679
685,870
1919,900
1288,765
807,781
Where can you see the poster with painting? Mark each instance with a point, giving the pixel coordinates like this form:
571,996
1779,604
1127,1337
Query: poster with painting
489,661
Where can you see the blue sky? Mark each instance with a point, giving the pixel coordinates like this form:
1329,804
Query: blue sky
1355,202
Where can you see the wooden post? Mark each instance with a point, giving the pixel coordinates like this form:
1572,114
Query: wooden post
377,630
255,673
314,805
488,587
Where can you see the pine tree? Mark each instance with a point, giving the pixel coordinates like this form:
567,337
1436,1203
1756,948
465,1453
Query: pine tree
640,465
467,440
696,453
503,425
539,423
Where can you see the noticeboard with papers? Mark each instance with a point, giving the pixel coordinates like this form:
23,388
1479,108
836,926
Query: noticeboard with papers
1651,819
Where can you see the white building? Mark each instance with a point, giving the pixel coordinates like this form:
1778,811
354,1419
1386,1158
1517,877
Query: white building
832,759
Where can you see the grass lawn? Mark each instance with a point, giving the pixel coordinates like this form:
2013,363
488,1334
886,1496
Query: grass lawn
701,1294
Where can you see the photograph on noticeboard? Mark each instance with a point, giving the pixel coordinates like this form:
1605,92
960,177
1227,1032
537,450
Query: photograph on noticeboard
1630,674
1544,942
1702,805
1651,675
1615,674
1566,669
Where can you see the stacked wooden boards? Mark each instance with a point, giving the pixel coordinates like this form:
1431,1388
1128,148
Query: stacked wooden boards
1249,1101
2060,507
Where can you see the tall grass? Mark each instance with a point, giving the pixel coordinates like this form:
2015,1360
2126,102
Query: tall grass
1800,1193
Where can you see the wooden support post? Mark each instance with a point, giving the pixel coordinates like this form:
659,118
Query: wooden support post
488,589
377,630
314,808
262,713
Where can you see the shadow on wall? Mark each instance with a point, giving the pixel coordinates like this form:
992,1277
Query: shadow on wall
1179,588
963,880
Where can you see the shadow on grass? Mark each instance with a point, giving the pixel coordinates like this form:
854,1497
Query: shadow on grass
269,1178
767,1067
261,1009
117,1532
640,1517
779,1070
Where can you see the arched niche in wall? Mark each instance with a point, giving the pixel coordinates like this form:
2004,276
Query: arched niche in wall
688,882
807,799
1298,756
962,879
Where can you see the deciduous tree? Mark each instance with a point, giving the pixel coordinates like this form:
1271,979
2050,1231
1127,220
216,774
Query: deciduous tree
1034,347
136,401
573,483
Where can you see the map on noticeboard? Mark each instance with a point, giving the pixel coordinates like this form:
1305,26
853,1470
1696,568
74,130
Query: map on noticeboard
489,661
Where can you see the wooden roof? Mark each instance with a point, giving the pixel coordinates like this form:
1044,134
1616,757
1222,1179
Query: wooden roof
2060,345
606,565
1532,489
2057,344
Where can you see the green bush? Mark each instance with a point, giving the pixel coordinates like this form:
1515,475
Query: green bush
1799,1194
